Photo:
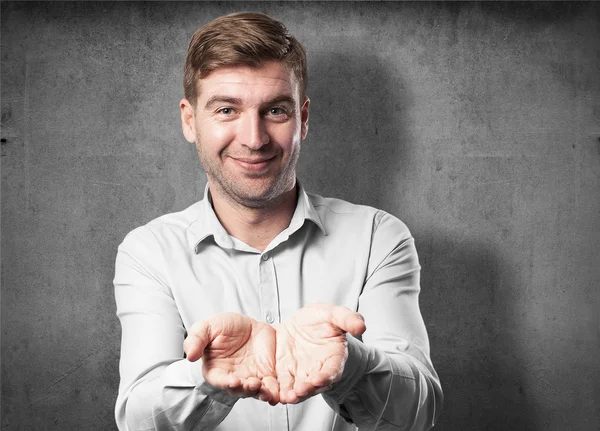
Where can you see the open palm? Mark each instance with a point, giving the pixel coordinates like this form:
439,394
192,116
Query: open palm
312,349
238,355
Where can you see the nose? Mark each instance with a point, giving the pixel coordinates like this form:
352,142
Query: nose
254,133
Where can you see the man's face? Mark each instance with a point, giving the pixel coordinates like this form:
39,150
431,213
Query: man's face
247,125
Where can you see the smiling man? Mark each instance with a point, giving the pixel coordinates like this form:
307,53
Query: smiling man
247,124
264,307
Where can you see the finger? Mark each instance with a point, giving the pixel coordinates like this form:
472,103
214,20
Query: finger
314,391
304,389
269,390
322,378
284,366
239,387
286,387
348,321
251,385
242,393
197,340
221,379
330,372
247,388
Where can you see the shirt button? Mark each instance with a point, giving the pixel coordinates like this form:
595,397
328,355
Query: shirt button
269,317
265,256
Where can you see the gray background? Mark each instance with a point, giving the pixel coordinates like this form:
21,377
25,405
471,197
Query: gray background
476,124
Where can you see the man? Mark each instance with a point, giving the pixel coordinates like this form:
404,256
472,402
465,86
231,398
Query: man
263,307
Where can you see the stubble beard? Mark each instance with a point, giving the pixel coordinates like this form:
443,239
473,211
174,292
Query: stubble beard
269,192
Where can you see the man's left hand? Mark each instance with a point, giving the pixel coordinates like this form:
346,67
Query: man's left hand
312,349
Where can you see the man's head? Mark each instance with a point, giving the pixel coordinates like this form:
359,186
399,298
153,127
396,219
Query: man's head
245,108
241,39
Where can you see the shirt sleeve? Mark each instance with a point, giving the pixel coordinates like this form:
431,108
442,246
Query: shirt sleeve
389,382
159,389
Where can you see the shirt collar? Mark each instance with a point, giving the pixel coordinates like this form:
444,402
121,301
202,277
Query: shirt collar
207,224
304,211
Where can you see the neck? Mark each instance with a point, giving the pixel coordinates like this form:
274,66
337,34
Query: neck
256,227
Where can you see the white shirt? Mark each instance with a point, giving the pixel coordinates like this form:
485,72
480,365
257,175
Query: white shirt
184,267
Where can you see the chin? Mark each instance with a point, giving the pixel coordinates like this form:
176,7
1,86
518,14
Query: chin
258,196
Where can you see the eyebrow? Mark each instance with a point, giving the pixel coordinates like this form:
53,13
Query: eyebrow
213,100
281,99
222,99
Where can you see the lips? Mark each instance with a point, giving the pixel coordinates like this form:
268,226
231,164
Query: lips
251,161
252,164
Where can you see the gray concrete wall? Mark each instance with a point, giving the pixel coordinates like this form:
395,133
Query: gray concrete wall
476,124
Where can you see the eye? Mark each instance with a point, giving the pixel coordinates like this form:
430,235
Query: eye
277,111
225,111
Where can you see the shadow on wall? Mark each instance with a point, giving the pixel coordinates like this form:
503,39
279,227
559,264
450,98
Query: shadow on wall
471,320
355,141
357,150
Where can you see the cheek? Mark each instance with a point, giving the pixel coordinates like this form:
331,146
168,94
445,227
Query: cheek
286,135
215,137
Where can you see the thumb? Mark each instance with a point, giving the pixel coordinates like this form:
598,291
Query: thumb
197,340
348,320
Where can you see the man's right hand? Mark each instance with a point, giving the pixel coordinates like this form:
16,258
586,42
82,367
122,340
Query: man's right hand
238,355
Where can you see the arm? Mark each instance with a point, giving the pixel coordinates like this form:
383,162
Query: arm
388,380
159,389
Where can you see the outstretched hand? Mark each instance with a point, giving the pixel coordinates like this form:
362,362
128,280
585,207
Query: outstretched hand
295,360
238,355
312,349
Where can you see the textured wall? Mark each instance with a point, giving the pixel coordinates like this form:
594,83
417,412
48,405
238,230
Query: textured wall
477,124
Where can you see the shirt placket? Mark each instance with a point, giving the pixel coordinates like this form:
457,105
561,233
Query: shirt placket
269,303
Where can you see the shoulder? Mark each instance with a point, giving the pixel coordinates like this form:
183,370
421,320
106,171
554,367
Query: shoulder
333,212
166,227
338,206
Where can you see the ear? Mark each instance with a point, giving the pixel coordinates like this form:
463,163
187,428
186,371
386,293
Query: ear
304,117
188,125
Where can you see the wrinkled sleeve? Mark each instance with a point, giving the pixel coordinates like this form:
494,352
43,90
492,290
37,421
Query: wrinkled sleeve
159,389
389,382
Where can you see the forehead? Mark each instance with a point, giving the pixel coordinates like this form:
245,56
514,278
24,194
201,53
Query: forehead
269,80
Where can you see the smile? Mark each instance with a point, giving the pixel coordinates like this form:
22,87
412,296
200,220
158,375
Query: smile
252,165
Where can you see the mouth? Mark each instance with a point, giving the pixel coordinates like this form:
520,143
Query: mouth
252,164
